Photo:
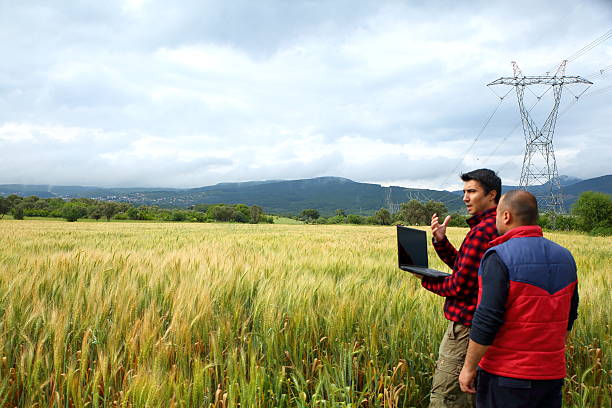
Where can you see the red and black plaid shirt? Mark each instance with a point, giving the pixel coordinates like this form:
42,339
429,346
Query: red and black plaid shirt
461,288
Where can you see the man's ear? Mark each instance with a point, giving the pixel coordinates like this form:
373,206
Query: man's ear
492,194
507,217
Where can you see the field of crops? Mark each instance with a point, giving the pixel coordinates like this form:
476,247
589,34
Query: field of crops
225,315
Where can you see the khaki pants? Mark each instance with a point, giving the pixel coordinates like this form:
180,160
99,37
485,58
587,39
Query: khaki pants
445,390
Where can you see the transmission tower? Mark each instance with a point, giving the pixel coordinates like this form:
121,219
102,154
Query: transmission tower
539,164
393,207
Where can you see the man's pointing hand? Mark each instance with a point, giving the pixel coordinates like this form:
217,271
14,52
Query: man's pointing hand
439,230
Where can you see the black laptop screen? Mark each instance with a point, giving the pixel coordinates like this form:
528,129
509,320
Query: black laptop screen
412,247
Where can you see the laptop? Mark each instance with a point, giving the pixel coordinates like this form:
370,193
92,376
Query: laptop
412,252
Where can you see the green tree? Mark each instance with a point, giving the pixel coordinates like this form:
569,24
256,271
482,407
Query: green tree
19,211
341,213
593,210
457,220
14,199
73,211
222,213
355,219
310,214
239,216
5,206
434,207
133,214
383,217
412,212
95,212
336,219
415,212
244,209
255,213
179,215
110,209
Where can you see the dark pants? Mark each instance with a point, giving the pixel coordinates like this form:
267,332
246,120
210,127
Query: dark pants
494,391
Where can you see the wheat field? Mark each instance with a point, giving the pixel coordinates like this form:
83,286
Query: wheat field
226,315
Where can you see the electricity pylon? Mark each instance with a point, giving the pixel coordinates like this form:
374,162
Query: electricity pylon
393,207
539,164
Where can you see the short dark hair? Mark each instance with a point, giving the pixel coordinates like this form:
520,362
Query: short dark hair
522,205
488,179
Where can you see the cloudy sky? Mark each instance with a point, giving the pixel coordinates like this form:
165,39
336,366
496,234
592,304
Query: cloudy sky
192,93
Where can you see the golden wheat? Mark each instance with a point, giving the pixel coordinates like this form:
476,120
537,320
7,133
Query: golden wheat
216,315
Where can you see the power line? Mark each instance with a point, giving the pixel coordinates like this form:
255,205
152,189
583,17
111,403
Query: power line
508,135
594,92
601,71
482,129
560,70
539,163
598,41
589,47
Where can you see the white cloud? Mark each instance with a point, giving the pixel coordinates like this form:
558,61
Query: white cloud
193,93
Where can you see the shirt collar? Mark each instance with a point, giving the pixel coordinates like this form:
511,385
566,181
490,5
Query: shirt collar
518,232
476,218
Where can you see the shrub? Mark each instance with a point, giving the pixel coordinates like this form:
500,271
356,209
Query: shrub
36,212
178,215
239,216
383,217
593,210
336,219
18,211
457,220
562,222
221,213
602,231
310,214
72,211
133,214
355,219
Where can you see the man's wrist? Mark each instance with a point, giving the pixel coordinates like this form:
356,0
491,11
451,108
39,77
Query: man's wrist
469,366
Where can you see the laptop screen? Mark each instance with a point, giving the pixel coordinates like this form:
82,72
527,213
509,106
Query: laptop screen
412,247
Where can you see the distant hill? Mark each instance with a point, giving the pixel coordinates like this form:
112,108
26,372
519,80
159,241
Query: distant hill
572,187
565,181
326,194
48,191
602,184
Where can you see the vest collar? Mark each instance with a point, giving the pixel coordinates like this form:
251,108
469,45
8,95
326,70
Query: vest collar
476,218
518,232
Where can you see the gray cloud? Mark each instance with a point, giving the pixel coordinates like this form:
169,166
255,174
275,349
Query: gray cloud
185,94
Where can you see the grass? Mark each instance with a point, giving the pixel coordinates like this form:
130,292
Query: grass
216,315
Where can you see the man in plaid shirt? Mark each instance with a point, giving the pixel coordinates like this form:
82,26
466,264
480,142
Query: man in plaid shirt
481,192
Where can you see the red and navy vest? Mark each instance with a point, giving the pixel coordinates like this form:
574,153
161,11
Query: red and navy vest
530,344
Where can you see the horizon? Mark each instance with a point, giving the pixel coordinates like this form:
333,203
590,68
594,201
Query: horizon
50,186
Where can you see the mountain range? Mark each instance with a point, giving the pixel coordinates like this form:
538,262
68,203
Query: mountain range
326,194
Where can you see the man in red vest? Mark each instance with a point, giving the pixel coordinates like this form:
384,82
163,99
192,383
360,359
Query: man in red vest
527,304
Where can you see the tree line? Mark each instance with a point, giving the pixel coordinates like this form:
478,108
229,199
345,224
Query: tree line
591,213
78,208
410,213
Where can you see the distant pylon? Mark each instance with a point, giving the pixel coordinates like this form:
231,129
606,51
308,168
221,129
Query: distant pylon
539,164
393,207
